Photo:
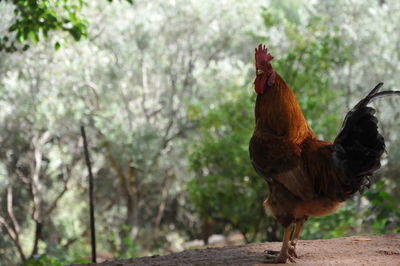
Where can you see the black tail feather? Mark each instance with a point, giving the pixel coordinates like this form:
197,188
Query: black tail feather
374,95
359,145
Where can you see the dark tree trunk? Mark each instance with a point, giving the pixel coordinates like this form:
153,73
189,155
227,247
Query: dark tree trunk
129,234
38,236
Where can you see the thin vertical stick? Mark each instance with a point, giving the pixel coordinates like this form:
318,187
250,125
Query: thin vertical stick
92,225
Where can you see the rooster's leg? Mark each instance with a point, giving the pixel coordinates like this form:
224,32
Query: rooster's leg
292,247
284,253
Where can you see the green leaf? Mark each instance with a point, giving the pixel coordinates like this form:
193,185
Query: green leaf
57,46
34,37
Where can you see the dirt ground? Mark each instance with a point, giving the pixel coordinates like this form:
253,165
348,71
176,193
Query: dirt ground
355,250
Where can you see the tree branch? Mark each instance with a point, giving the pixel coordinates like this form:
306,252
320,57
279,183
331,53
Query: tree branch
13,237
12,230
55,202
10,210
66,173
8,228
164,196
118,170
38,233
145,88
132,181
35,184
74,239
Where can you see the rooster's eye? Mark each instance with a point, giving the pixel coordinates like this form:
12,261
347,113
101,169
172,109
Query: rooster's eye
259,72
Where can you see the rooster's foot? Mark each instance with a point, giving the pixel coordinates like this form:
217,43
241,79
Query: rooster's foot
272,252
291,251
278,258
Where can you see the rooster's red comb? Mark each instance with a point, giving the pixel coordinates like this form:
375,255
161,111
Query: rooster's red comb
262,55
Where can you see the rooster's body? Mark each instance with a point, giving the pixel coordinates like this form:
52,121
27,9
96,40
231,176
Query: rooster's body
307,176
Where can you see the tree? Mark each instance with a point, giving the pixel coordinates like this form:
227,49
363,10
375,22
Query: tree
131,86
33,21
161,73
37,161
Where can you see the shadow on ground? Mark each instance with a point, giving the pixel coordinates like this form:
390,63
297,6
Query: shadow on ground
355,250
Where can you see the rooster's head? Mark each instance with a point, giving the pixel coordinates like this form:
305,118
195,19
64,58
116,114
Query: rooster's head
265,73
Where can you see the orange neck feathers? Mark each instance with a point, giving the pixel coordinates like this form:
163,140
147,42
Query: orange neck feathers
278,112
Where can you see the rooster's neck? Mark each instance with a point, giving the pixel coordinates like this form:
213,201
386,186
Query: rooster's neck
278,112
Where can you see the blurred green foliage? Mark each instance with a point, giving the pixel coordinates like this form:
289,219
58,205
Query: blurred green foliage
384,215
224,174
36,19
46,260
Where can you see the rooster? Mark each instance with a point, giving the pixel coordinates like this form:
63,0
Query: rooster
307,176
